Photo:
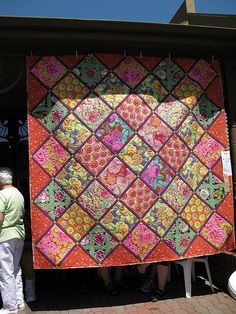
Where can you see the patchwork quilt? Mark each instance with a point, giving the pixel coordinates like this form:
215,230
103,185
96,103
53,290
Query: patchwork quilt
125,160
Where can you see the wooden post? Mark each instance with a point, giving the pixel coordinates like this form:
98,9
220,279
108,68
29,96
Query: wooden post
190,6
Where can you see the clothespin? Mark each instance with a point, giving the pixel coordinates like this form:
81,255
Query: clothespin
212,59
76,54
141,55
169,57
31,54
125,53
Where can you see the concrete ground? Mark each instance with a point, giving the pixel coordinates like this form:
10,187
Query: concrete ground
78,291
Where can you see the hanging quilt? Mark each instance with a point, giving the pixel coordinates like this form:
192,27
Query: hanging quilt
125,160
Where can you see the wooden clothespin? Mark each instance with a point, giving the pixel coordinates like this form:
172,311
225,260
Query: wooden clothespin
212,59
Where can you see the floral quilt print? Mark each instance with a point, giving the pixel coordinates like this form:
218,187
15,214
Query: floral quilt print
117,177
119,221
125,160
158,175
114,133
73,178
98,243
136,154
53,200
208,150
96,200
179,236
71,133
141,241
51,156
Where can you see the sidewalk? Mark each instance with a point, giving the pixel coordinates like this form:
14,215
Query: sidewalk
216,304
68,296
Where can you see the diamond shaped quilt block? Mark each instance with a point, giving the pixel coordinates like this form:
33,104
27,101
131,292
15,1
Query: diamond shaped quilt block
196,213
53,200
160,217
141,241
149,61
49,70
214,92
72,133
114,133
117,177
216,231
188,91
55,245
94,155
76,222
136,154
134,111
212,190
70,90
169,73
73,178
208,150
50,112
112,90
119,221
90,71
202,72
110,60
179,237
92,111
96,200
172,111
130,71
70,61
193,171
51,156
152,91
157,175
190,131
98,243
175,152
139,197
177,194
206,111
155,132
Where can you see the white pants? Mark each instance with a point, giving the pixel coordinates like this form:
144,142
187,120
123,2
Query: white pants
10,274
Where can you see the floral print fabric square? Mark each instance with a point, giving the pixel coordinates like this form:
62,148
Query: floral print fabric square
124,160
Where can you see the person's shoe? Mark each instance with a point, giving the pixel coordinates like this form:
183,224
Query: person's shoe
157,295
110,289
6,311
30,295
21,307
148,286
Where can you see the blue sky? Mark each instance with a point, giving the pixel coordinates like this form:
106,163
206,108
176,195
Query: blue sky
132,10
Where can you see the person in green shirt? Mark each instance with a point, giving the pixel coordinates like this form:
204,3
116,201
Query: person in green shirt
12,234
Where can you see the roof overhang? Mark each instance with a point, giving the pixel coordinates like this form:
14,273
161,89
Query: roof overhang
23,35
